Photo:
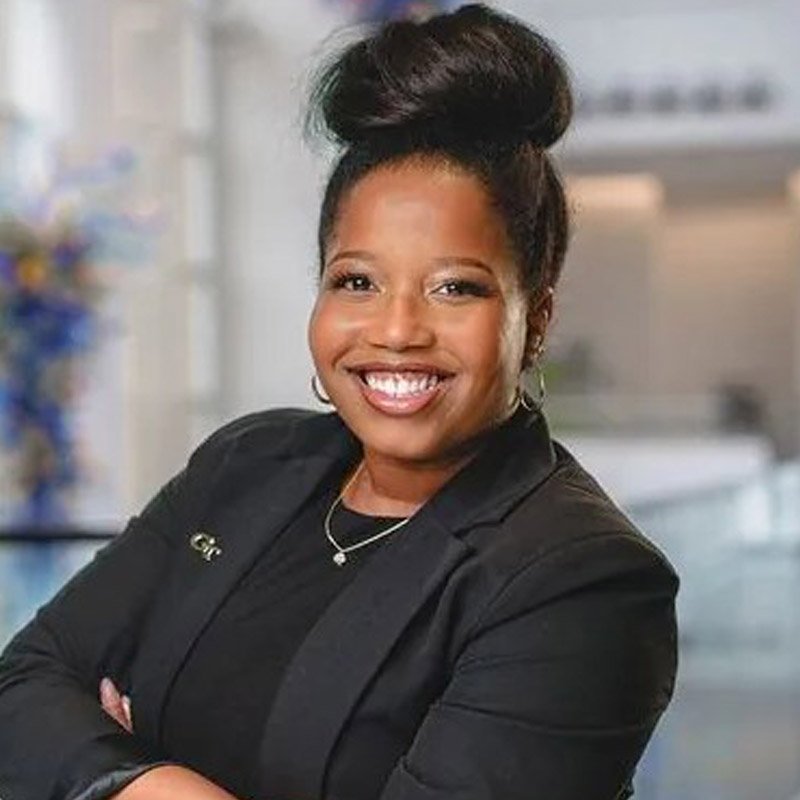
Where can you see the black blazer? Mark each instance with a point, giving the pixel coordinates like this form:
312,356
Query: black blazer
516,640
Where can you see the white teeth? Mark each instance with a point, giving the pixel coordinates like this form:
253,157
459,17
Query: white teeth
396,385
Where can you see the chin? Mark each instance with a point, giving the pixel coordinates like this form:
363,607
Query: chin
442,431
401,445
404,441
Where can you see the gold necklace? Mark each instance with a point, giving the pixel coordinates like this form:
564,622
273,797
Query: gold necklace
340,556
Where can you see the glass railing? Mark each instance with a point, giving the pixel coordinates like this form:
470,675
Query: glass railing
733,730
33,566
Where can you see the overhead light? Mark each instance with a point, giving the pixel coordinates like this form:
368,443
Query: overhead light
616,192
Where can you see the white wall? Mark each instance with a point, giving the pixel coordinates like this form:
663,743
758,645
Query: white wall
726,302
682,297
608,280
271,190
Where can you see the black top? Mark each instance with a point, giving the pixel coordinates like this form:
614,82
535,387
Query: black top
258,628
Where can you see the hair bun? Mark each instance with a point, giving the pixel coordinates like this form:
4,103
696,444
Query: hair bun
473,74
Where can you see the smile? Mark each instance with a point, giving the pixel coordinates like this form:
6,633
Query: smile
400,393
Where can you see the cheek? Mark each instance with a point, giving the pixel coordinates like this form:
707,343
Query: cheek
316,333
329,331
496,342
498,362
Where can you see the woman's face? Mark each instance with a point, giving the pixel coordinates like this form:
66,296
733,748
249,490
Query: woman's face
419,329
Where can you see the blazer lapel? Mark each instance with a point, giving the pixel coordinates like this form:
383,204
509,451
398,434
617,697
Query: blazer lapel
516,459
350,642
243,528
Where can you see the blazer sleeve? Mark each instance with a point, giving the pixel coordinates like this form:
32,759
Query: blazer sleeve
55,739
560,685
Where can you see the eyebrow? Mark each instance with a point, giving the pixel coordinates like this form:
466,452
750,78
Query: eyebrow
363,255
466,261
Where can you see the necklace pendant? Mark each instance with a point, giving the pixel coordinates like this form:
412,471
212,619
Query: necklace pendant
339,559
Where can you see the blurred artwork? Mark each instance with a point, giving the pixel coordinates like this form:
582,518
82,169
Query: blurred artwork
47,323
54,245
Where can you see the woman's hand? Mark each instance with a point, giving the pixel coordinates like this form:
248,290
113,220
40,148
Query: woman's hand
160,783
116,705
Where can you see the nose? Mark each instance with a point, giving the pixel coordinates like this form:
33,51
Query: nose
402,321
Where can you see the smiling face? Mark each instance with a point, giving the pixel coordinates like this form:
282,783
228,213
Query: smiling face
419,329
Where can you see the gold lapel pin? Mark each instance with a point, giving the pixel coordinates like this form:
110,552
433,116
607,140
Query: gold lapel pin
206,545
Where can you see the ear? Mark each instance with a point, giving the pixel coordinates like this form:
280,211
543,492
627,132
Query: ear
540,312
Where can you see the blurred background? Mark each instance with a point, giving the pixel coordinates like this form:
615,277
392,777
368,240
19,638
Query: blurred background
157,219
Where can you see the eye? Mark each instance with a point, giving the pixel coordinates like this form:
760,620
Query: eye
351,282
463,288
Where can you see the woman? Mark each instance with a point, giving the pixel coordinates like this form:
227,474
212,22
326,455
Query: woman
420,595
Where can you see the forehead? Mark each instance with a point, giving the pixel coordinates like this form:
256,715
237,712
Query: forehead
430,207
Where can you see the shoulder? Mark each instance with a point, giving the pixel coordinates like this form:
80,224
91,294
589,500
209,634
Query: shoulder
276,433
244,447
567,559
273,425
568,533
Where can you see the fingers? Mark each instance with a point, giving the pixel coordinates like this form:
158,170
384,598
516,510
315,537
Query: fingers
116,705
126,707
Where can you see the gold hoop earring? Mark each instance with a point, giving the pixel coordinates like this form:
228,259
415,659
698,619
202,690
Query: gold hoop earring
541,389
318,393
522,398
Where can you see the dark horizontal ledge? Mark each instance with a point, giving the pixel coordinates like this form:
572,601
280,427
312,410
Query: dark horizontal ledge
53,535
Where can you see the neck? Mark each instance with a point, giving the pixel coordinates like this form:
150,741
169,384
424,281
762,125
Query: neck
388,487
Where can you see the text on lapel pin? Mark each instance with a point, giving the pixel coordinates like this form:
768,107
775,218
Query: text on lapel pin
206,545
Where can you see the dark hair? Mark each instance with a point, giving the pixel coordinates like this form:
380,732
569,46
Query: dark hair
475,88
